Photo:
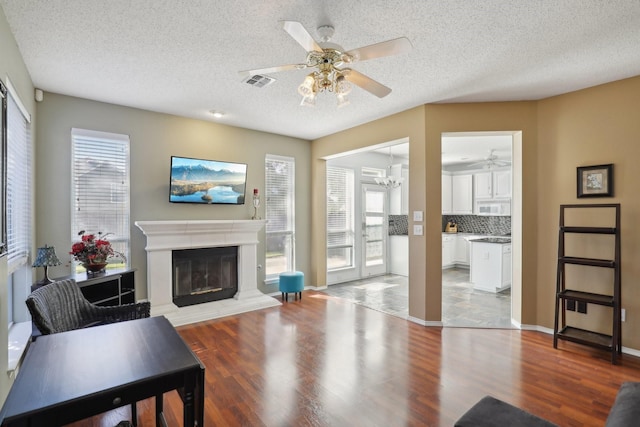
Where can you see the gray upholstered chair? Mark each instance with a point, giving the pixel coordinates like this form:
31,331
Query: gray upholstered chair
60,306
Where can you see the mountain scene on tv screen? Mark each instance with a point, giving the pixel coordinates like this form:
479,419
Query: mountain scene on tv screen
200,183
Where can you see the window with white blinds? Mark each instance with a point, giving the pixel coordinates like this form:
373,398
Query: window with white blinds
19,188
340,217
280,214
100,187
3,167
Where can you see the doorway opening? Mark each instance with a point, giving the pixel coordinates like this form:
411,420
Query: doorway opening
367,232
481,200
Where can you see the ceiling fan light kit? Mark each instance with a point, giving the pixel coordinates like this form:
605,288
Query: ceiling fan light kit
327,57
324,80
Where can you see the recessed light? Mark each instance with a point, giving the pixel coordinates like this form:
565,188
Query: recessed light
216,114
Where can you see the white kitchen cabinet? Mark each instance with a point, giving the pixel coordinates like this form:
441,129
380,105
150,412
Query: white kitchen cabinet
448,248
506,266
405,190
502,184
446,194
462,194
461,254
492,185
399,255
482,185
399,196
490,266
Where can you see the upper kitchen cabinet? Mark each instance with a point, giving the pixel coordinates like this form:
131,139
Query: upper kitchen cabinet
446,194
462,194
502,184
492,185
482,185
399,196
457,194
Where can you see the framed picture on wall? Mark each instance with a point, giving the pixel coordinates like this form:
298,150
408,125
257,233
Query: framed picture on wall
595,181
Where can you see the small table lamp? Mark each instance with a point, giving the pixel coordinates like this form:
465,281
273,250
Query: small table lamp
46,258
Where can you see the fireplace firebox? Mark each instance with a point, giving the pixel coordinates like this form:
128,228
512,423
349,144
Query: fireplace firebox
204,274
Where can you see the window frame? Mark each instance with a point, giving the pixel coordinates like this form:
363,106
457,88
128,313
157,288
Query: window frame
120,239
349,224
19,270
273,230
18,243
3,168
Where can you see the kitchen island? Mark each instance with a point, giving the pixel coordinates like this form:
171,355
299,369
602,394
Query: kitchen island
490,264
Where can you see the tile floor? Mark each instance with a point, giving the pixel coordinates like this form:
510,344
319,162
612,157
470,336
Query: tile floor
462,306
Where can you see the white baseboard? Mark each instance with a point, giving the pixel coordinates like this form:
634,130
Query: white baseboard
428,323
549,331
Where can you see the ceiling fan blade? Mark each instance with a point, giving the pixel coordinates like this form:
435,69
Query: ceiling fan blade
273,69
301,35
390,47
493,162
366,83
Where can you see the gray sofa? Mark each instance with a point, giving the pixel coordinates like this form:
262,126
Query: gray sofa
491,412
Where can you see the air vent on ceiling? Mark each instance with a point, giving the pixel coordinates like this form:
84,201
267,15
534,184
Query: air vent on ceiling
258,80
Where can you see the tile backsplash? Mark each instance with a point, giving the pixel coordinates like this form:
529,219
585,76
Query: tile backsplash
479,224
398,225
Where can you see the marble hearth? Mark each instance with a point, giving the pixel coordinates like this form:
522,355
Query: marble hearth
165,236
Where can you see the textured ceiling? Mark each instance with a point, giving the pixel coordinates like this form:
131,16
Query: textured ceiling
183,56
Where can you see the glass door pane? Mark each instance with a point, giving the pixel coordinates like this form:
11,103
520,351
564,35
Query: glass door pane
374,230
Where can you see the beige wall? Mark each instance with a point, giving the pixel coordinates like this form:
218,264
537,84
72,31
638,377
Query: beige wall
594,126
12,67
154,139
408,124
487,117
424,126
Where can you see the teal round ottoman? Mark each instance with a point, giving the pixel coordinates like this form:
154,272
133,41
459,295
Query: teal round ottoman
291,281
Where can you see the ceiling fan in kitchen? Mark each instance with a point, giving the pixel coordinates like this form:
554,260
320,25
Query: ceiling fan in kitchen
491,161
330,64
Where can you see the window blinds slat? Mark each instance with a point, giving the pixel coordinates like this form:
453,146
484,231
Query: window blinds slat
19,188
279,195
100,186
340,217
280,214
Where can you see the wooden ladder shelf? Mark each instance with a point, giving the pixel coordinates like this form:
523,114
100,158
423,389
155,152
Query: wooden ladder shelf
562,331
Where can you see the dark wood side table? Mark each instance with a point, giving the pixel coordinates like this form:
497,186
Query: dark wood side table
112,287
73,375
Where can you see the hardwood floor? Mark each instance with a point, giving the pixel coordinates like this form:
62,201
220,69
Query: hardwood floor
324,361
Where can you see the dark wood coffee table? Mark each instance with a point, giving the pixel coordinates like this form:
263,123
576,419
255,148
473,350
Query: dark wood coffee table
74,375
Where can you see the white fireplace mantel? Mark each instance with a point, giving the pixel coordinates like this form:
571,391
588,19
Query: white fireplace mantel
163,237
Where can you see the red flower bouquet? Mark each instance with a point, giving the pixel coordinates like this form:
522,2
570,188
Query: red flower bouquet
92,250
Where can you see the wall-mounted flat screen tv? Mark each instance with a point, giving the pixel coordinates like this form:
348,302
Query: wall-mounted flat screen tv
207,181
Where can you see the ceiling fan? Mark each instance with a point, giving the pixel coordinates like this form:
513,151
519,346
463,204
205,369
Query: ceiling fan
326,58
491,160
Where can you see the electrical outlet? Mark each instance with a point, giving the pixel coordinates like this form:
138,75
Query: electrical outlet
571,305
582,307
623,315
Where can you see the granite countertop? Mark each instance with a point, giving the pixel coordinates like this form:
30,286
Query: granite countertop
498,240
